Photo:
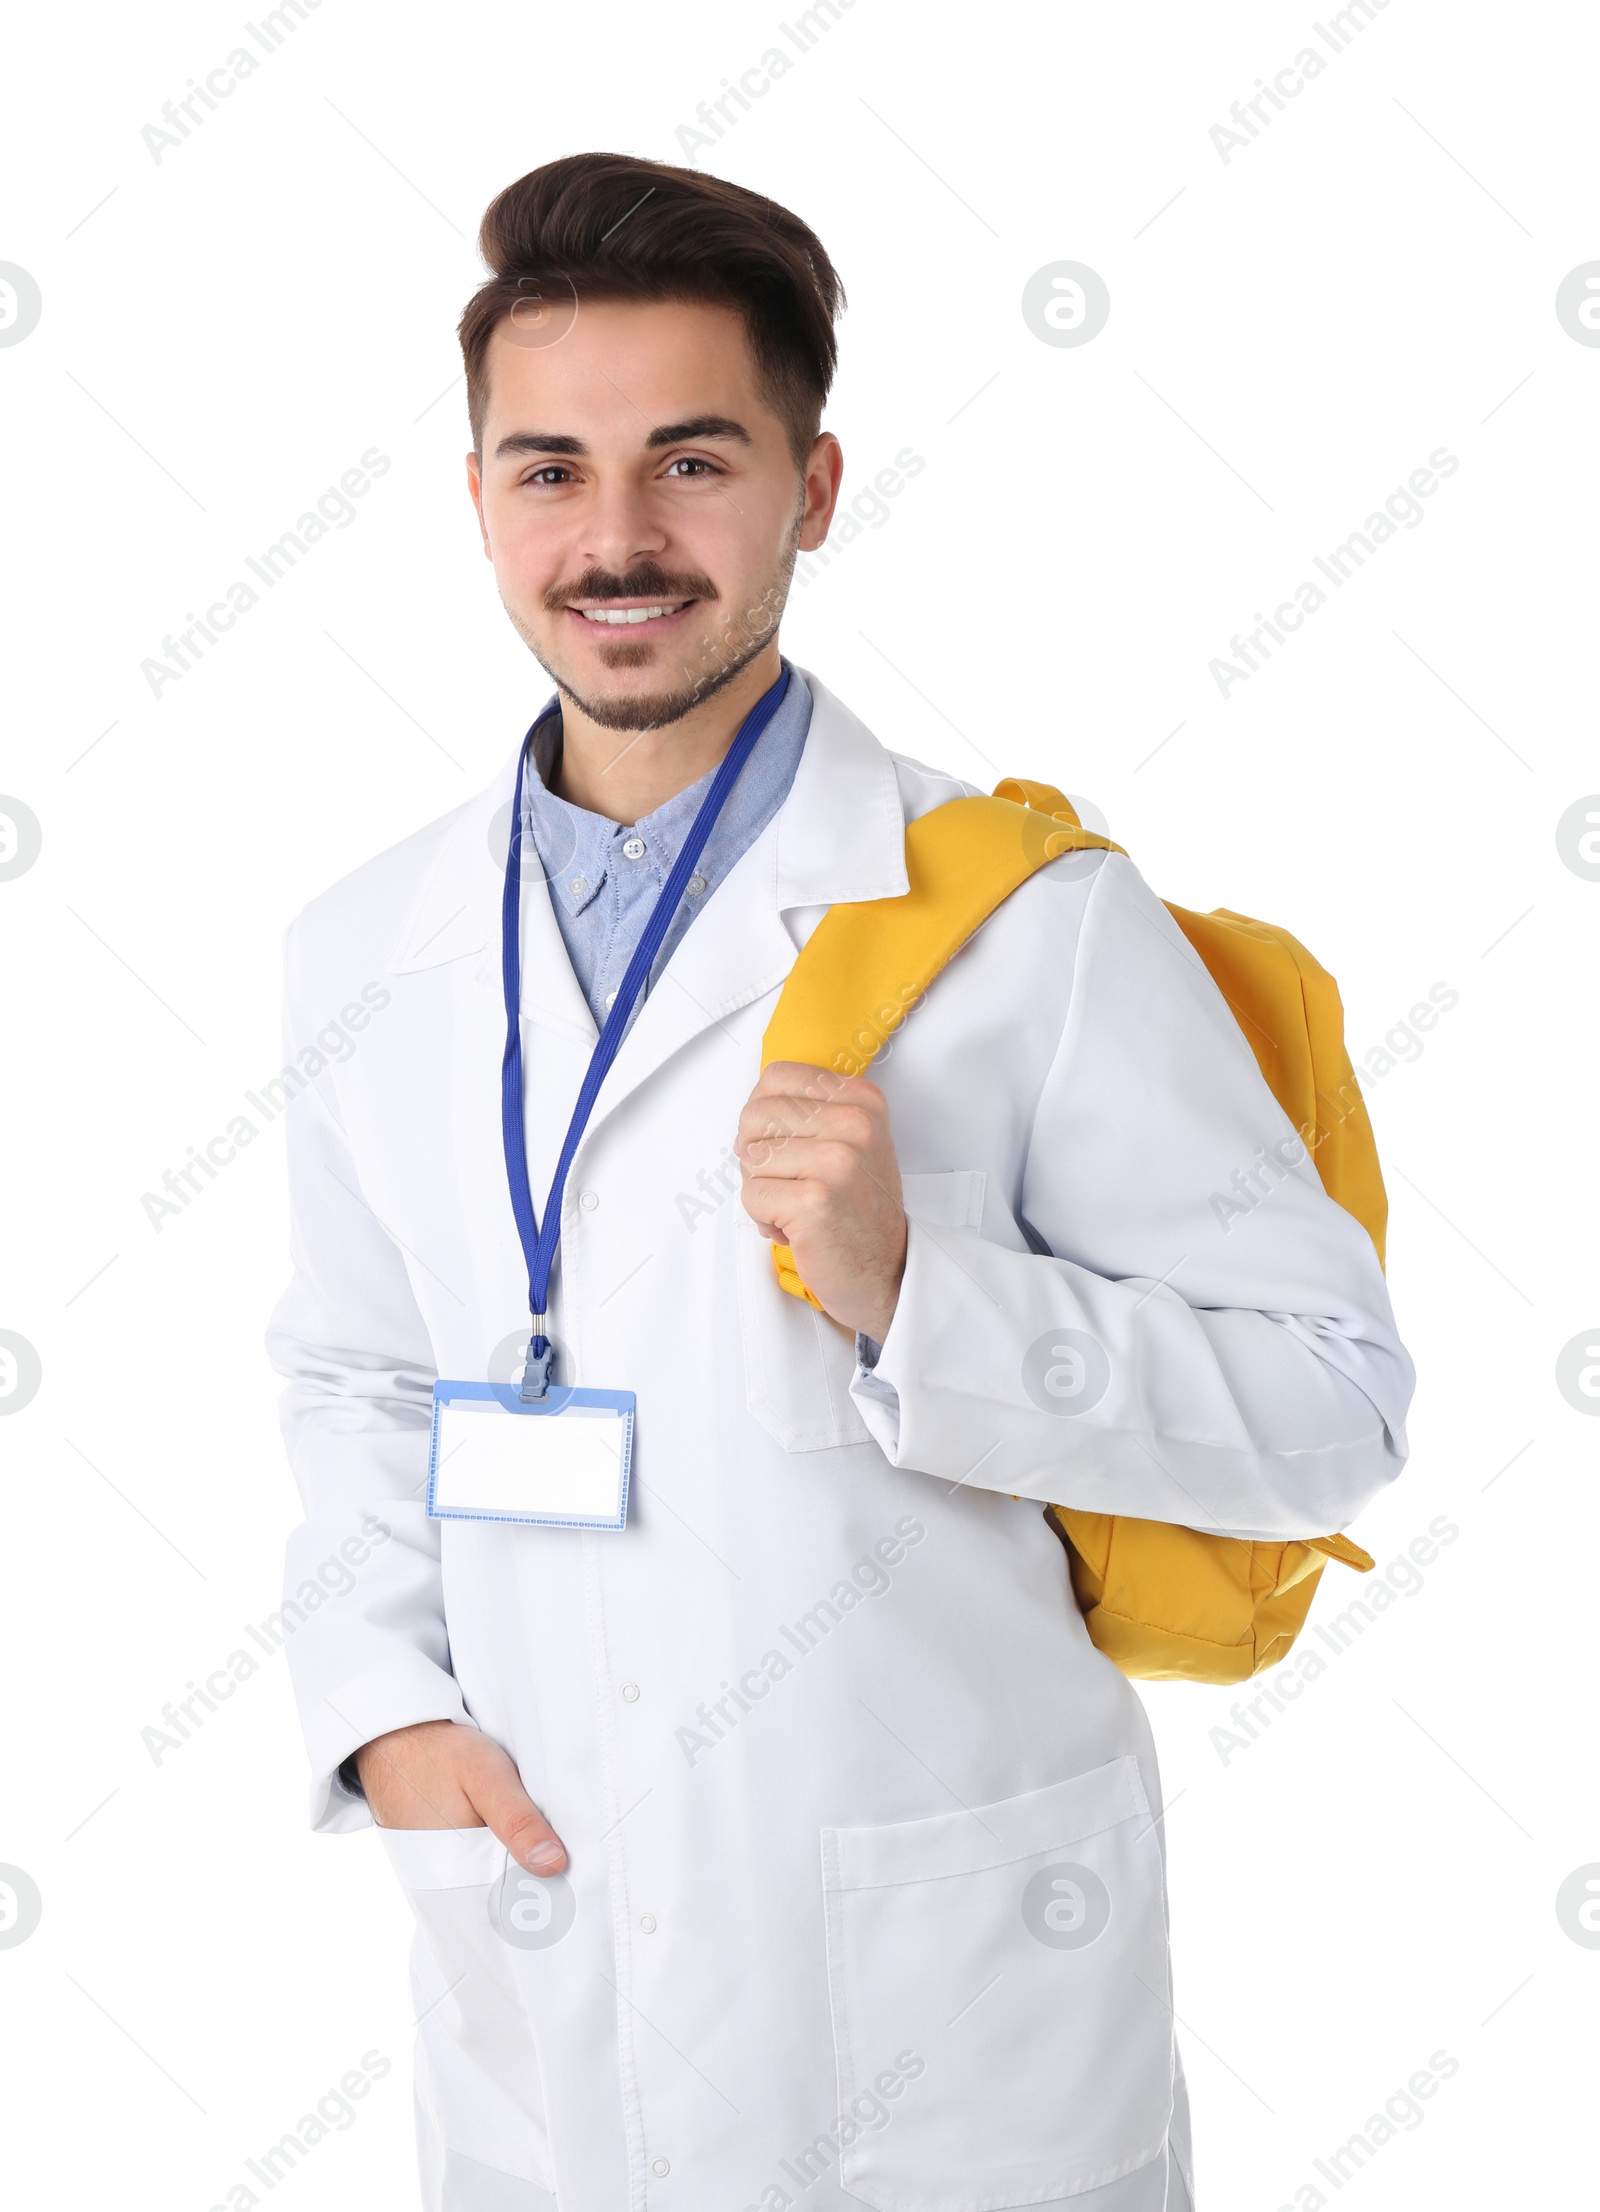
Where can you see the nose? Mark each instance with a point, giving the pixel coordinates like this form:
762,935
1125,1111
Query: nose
621,530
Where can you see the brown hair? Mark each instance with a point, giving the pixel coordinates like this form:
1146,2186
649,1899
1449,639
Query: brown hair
608,227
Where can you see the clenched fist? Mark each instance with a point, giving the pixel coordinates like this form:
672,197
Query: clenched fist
820,1175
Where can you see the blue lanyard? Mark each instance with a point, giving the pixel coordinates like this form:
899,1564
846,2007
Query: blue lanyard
539,1243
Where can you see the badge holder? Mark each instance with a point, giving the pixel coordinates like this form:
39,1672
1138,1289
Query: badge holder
560,1461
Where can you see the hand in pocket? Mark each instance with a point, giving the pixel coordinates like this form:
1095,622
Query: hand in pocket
444,1774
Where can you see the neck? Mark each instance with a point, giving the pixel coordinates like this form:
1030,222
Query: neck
627,774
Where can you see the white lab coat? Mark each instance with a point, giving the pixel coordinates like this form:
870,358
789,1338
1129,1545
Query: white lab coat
812,1724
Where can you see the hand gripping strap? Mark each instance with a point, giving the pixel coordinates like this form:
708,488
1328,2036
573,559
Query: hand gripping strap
869,961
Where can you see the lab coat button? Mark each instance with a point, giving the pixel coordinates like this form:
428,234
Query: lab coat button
647,1922
659,2166
630,1691
588,1200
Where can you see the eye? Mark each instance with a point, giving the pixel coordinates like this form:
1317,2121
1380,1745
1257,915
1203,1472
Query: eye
688,461
553,472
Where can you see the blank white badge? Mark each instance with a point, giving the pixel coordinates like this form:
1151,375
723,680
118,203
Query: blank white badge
559,1462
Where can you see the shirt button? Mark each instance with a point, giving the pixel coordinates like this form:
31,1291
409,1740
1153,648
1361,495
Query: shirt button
696,885
659,2166
578,886
611,998
630,1691
647,1922
589,1200
633,848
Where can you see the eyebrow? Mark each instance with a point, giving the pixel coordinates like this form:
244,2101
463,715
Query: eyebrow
566,447
539,441
698,426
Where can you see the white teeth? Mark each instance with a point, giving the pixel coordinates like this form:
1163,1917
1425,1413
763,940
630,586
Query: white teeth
628,614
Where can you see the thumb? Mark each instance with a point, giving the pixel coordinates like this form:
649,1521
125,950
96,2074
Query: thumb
504,1805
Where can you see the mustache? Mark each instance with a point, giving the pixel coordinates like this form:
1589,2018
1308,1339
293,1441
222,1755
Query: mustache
645,580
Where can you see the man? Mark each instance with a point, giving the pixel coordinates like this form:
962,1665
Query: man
790,1843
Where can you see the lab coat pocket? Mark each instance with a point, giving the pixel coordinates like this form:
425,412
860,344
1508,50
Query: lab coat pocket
477,2069
998,1980
797,1363
952,1199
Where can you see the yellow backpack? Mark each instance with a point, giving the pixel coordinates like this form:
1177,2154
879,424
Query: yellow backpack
1161,1601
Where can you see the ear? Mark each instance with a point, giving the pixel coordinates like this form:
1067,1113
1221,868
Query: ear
475,487
823,476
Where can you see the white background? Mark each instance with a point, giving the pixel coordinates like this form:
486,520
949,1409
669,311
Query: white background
1292,332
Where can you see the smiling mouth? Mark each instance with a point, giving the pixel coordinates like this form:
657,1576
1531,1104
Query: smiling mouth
618,617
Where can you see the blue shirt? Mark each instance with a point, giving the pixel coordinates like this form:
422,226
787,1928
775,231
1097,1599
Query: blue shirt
606,876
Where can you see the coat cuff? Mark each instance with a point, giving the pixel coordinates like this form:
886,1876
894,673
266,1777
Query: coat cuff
932,1311
399,1694
876,1398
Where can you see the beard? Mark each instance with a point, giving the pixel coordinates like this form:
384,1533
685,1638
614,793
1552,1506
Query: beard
721,654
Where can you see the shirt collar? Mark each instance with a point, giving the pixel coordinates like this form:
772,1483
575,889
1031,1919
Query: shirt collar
578,849
840,834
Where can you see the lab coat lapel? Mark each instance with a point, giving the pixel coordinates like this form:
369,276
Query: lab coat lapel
450,943
840,834
456,917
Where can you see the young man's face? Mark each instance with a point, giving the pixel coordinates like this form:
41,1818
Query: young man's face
632,468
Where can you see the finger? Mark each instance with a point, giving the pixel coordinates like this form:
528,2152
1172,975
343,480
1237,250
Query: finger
797,1078
769,1129
505,1806
830,1161
818,1086
844,1150
770,1229
780,1207
777,1116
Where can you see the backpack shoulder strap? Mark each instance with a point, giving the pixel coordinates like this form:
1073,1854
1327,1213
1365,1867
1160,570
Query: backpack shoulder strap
1044,796
868,961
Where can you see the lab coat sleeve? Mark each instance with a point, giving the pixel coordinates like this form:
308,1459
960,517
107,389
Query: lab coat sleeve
363,1604
1177,1344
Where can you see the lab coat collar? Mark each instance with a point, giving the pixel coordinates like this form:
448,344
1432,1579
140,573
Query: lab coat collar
840,834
